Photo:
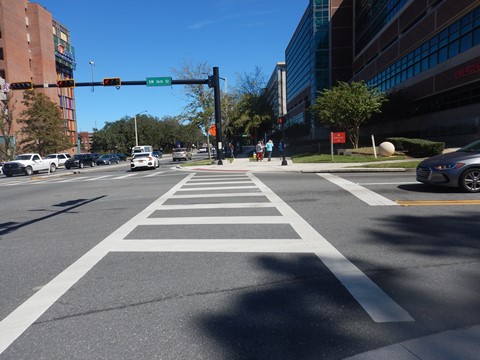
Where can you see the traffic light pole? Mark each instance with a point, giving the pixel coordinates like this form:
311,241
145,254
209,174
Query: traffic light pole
212,81
218,116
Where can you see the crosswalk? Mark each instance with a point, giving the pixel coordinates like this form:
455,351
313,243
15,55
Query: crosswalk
199,201
72,178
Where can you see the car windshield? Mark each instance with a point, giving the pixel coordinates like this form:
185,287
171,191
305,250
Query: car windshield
472,147
106,156
179,150
22,157
78,157
142,155
51,156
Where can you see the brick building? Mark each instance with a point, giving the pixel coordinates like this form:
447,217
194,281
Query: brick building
34,47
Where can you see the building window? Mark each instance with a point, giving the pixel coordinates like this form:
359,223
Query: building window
1,54
455,39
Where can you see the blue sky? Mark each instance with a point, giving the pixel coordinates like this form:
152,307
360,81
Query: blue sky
149,38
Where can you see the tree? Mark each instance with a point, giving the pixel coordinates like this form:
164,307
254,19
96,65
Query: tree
42,125
347,106
200,106
7,143
253,109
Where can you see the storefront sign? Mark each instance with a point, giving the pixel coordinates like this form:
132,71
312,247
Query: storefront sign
468,70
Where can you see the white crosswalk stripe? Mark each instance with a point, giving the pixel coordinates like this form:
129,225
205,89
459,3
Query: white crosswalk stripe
74,178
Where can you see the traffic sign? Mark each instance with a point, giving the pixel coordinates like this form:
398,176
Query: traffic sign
338,137
159,81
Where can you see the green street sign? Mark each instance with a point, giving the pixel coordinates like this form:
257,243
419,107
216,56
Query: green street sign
159,81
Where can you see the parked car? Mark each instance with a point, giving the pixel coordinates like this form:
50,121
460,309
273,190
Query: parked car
28,164
80,161
107,159
1,168
122,157
157,153
460,168
181,154
144,161
62,158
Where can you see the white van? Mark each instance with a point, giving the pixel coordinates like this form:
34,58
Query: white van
141,149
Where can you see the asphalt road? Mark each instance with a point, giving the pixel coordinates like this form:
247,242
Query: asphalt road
169,264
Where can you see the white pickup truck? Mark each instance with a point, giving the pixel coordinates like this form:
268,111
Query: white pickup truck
28,164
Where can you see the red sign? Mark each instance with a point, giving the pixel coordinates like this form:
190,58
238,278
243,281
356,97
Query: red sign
468,70
213,130
338,137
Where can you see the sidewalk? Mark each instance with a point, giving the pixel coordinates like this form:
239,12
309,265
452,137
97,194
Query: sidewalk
460,344
242,163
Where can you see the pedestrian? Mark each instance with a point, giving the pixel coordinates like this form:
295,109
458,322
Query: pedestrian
259,151
232,150
269,149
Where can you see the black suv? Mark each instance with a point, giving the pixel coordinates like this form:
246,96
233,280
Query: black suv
81,160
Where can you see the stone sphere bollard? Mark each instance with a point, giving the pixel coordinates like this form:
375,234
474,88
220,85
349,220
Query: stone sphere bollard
386,149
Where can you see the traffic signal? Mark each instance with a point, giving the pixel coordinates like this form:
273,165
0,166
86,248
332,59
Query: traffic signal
280,120
112,82
66,83
210,81
26,85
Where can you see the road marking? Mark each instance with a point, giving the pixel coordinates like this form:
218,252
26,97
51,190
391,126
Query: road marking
221,182
216,188
124,176
212,245
216,195
364,194
154,174
390,183
437,202
374,300
379,306
96,178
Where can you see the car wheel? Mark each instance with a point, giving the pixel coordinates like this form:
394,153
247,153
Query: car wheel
28,170
67,167
92,164
81,165
470,180
117,162
8,175
53,168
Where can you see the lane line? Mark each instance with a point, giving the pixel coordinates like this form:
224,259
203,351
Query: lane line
372,298
437,202
362,193
18,321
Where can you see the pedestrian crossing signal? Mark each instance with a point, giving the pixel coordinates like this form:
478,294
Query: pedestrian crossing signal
280,120
26,85
66,83
112,82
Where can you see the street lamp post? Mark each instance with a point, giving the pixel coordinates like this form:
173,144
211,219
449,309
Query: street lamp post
136,131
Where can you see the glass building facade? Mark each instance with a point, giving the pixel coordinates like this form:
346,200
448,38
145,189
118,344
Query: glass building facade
308,59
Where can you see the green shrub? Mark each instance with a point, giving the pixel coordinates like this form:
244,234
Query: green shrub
417,147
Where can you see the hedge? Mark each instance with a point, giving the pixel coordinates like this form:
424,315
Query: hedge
417,147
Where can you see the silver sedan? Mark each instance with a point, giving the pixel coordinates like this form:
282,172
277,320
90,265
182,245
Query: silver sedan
460,168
